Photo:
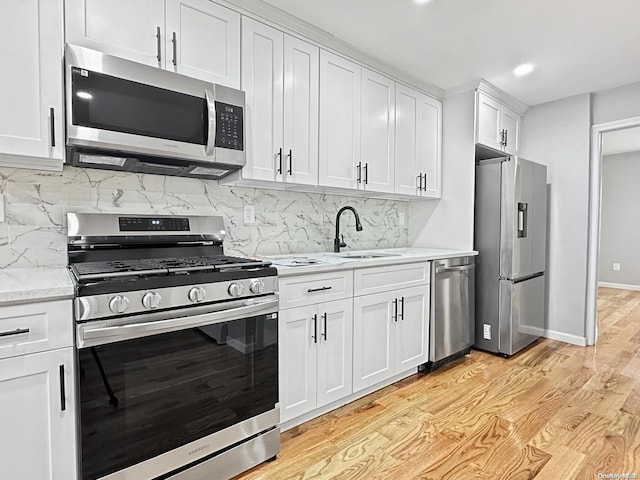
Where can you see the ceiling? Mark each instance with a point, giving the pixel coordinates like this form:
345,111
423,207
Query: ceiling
576,46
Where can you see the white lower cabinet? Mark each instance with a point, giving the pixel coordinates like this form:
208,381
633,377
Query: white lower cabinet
315,356
37,414
390,331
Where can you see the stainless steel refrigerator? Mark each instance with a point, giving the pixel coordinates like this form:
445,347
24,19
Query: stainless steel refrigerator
510,236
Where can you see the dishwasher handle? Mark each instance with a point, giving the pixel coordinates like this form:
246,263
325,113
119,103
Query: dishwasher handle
460,268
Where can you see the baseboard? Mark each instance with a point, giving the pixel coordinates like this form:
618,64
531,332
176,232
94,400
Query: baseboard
566,337
620,286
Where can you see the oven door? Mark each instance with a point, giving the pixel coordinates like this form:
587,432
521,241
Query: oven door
163,391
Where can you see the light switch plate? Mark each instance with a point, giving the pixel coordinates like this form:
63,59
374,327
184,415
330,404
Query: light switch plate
249,214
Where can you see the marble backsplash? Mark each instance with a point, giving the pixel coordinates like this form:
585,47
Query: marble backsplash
34,230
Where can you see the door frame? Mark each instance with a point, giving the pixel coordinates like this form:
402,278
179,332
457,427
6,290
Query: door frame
595,199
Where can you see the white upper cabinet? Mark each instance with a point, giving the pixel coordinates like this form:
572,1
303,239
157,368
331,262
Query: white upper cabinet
418,159
497,126
195,37
31,123
203,41
280,77
301,90
376,166
340,86
132,29
262,81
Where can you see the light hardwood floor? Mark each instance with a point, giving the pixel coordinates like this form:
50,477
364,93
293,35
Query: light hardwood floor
555,411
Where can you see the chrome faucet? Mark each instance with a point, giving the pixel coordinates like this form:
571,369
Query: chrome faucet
338,241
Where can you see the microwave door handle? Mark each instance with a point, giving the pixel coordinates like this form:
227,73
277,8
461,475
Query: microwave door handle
211,113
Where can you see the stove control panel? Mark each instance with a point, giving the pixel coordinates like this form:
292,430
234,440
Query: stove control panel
151,300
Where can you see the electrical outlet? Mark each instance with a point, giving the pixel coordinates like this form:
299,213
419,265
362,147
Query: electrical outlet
486,331
401,219
616,267
249,214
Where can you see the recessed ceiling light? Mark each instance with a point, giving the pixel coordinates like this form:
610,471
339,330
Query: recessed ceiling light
522,70
421,2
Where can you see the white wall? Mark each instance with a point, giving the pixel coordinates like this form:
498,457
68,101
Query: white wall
619,215
557,134
448,223
616,103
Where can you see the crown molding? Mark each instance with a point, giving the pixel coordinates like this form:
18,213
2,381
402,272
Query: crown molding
270,15
490,90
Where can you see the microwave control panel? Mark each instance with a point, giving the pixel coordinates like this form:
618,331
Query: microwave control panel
229,126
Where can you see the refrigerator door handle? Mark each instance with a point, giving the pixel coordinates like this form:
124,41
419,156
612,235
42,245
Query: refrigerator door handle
522,219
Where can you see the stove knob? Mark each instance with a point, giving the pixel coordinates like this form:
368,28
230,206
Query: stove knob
236,289
151,300
197,294
256,286
119,304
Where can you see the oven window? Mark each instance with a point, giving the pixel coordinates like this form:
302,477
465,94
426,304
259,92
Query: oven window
111,103
143,397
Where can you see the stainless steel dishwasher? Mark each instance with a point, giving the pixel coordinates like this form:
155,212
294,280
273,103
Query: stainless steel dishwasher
453,309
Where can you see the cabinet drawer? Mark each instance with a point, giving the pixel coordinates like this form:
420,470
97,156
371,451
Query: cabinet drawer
310,289
383,279
35,327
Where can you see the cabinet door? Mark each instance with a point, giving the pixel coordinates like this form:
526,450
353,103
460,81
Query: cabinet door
335,351
262,81
488,118
412,328
203,41
378,132
511,123
297,361
38,434
31,123
373,339
339,121
302,76
429,148
132,29
407,118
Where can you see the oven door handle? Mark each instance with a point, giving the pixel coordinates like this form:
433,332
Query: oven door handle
96,333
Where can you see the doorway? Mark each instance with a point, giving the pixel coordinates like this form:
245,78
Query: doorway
610,132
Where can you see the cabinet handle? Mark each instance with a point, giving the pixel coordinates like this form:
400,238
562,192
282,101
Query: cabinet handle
174,41
279,154
52,125
17,331
324,318
311,290
401,308
63,399
290,162
158,46
359,167
315,328
419,178
506,137
366,173
395,310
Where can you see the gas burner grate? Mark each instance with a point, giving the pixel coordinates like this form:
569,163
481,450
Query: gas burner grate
90,271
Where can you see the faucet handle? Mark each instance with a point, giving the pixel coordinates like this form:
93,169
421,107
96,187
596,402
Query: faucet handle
342,244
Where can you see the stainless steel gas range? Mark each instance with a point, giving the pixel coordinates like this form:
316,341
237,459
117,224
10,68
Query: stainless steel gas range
177,349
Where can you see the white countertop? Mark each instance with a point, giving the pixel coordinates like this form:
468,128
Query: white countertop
328,261
21,285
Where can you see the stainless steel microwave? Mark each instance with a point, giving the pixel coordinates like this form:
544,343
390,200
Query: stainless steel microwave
124,115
